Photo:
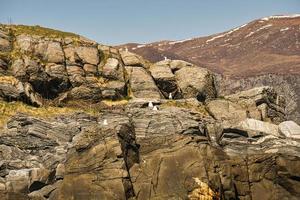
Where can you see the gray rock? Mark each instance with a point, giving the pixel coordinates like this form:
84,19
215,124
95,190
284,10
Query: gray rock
131,59
165,80
196,82
290,129
112,69
270,105
254,127
4,44
141,83
82,55
90,69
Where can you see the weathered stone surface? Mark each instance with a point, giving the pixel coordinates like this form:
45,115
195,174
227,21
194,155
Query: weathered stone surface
82,55
51,52
271,105
227,111
88,55
290,129
4,44
255,127
141,83
113,69
13,89
196,82
90,69
76,75
131,59
165,80
85,93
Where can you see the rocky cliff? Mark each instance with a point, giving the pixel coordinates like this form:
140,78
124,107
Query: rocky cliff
80,120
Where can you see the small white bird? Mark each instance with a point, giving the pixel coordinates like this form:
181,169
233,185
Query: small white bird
170,96
150,104
155,108
126,49
105,122
166,58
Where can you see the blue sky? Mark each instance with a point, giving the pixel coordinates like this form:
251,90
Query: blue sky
121,21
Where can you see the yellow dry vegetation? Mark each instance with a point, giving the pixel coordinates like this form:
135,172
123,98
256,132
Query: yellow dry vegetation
203,192
115,103
195,107
8,109
8,80
40,31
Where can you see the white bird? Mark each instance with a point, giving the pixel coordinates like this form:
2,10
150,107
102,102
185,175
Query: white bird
155,108
166,58
150,104
126,49
105,122
170,96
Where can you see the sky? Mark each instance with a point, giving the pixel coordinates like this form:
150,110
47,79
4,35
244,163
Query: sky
115,22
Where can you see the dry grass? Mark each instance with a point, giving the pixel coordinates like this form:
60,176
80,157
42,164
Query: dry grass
40,31
8,109
8,80
199,108
112,103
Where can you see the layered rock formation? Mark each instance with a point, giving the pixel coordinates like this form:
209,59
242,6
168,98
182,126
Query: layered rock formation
197,144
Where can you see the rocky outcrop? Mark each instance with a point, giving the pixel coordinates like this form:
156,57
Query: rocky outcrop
124,138
285,85
13,89
165,80
141,83
290,129
199,84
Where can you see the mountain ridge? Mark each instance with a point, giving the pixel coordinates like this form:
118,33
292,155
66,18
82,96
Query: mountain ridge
257,42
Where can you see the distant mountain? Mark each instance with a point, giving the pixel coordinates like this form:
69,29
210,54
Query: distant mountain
265,51
270,44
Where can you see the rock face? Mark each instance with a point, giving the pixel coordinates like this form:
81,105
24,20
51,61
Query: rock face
141,83
196,82
113,144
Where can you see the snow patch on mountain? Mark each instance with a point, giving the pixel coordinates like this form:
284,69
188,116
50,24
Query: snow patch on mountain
284,29
180,41
261,28
280,17
225,34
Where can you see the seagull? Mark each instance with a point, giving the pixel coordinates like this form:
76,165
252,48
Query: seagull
170,96
155,108
150,104
105,122
166,58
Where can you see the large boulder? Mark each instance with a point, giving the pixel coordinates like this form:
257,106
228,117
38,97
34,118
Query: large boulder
290,129
46,49
112,69
265,99
13,89
5,44
228,112
256,127
82,55
196,82
50,51
165,80
141,83
131,59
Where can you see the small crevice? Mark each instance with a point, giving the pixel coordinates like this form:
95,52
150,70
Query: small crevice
130,152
